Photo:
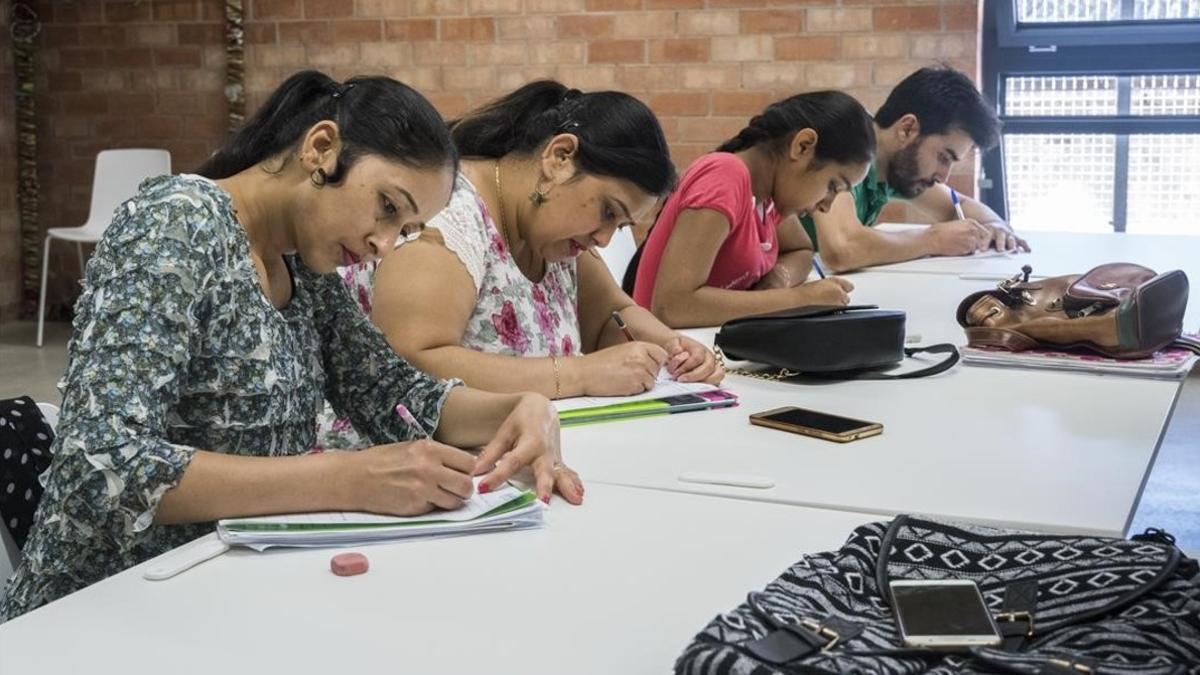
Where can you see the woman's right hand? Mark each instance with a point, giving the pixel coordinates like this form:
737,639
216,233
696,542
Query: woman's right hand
408,479
828,291
622,370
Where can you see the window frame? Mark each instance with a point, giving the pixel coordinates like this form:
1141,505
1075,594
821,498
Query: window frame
1119,48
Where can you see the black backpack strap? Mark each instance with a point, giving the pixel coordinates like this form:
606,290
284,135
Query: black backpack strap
1015,619
939,367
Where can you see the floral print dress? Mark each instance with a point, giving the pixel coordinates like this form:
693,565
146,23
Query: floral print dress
176,348
513,316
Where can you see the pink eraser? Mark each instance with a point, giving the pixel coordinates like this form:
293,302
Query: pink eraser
349,564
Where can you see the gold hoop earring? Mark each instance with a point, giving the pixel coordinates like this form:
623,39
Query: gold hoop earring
319,178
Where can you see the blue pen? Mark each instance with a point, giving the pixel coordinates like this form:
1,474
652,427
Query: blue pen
817,267
957,205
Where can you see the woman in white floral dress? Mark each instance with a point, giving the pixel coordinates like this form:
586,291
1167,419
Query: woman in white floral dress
497,293
210,330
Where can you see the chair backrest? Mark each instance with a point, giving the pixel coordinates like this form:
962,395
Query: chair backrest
619,252
10,556
118,174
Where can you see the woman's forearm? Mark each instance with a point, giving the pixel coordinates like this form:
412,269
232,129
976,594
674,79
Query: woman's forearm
471,417
216,485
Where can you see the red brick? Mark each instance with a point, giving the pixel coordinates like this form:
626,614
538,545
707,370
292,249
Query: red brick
328,9
689,104
78,57
308,32
745,103
176,10
201,34
960,17
674,4
682,50
590,27
709,129
839,20
64,81
357,31
475,29
613,5
772,21
907,18
176,103
617,51
805,48
278,9
415,30
85,103
107,36
131,103
178,56
720,22
126,11
449,104
59,36
131,57
715,4
259,33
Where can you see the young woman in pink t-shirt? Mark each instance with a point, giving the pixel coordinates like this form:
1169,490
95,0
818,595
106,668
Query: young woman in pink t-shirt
728,242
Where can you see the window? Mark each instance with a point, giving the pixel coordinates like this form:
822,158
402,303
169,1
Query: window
1101,105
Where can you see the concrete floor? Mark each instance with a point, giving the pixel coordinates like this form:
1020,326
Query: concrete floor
1170,501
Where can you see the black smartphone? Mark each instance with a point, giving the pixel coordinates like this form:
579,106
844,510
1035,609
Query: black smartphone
817,424
946,614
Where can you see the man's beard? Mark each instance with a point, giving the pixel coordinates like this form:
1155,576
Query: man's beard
903,173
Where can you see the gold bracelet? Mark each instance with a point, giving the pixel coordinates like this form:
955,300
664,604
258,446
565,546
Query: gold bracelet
557,381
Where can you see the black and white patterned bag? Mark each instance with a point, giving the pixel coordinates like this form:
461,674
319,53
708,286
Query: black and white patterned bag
1065,605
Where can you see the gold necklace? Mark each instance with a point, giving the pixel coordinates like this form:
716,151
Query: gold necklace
500,200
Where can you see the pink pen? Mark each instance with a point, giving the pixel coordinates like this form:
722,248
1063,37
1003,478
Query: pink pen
407,417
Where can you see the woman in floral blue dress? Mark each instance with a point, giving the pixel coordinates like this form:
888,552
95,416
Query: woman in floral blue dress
210,330
504,285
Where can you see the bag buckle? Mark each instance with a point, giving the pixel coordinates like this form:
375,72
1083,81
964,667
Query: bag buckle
1007,617
1022,277
822,631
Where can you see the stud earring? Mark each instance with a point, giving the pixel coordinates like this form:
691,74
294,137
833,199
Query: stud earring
319,178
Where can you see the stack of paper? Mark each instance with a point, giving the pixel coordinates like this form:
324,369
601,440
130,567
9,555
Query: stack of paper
667,397
506,508
1169,364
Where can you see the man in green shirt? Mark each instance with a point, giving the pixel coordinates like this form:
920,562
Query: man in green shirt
931,120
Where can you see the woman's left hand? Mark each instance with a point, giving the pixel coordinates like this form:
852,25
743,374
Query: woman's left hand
529,437
690,361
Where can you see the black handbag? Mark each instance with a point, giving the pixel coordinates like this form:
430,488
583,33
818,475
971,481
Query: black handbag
832,342
1064,605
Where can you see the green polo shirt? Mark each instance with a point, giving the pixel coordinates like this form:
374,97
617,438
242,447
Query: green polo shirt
870,196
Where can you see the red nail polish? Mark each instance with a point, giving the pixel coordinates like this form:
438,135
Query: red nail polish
484,489
546,499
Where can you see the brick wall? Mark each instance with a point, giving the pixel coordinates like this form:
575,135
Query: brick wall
10,234
149,72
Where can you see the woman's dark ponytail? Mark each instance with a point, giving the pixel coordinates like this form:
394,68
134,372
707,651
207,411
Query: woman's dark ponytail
845,132
618,135
375,115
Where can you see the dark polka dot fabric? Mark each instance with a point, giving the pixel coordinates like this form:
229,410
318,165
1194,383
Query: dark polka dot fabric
24,454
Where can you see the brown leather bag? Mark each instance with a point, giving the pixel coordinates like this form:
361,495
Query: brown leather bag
1120,310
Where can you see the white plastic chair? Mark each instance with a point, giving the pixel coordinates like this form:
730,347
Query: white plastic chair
619,252
118,174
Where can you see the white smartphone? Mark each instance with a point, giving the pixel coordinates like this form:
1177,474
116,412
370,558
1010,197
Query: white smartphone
948,615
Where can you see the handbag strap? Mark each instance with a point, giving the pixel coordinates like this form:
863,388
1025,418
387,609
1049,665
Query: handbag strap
784,374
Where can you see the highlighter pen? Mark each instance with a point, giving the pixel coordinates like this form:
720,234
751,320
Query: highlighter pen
407,417
621,324
957,205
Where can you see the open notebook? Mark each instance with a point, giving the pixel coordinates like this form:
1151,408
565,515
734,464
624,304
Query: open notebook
505,508
667,397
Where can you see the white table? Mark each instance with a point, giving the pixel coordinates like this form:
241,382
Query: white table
1056,253
619,586
1058,452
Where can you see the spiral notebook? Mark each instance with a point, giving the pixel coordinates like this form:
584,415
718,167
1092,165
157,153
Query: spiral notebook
505,508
